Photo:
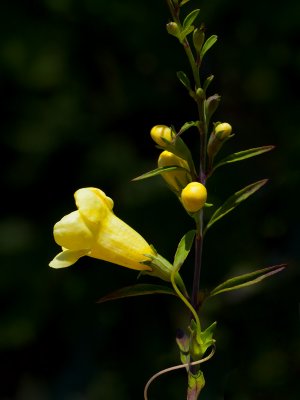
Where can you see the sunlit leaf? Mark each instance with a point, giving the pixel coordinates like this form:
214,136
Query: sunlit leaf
233,201
243,155
182,2
208,44
185,32
183,249
157,171
137,290
190,18
187,125
245,280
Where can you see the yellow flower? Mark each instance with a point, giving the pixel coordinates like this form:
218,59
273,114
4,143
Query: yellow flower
94,230
178,178
162,135
223,130
194,196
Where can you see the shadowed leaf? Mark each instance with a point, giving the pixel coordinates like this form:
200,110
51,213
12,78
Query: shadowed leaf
208,44
245,280
234,201
157,171
243,155
137,290
184,80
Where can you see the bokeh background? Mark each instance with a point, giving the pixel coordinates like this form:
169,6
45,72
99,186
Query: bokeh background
82,83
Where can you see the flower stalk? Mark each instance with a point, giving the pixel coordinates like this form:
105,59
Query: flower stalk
94,230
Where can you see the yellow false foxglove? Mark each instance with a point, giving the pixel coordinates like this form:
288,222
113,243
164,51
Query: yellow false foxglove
162,135
178,178
221,133
223,130
194,196
95,231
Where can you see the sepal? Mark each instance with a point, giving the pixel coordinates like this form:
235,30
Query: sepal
196,383
162,268
200,341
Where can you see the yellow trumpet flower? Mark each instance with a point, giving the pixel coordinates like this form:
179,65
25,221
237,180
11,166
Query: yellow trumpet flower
95,231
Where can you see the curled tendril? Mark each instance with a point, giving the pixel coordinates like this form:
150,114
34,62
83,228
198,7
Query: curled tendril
175,367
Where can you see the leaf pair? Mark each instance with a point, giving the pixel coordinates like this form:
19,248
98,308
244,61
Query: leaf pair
238,282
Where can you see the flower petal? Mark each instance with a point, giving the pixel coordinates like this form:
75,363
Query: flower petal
72,233
67,258
93,204
120,244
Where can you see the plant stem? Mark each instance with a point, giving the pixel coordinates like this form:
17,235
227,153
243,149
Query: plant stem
198,260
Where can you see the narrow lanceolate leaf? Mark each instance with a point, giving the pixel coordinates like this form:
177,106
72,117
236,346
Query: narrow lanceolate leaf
190,18
183,249
233,201
243,155
137,290
208,44
184,79
157,171
187,125
245,280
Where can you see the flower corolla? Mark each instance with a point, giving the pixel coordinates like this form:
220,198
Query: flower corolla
94,230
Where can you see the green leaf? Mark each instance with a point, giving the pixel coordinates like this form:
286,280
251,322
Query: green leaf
183,34
157,171
245,280
206,337
207,82
137,290
183,249
190,18
234,201
243,155
196,383
184,79
182,2
187,125
208,44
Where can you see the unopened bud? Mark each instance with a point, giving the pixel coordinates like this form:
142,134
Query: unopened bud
223,131
162,135
178,178
194,196
173,29
200,94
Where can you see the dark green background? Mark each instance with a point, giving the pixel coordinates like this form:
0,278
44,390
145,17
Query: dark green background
81,84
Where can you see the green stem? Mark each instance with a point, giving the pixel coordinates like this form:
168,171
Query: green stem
198,259
184,299
195,68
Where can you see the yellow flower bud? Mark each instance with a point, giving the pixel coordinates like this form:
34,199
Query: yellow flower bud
176,179
162,135
194,196
223,130
218,137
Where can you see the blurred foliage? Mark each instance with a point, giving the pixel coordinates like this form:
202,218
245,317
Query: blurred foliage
82,83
